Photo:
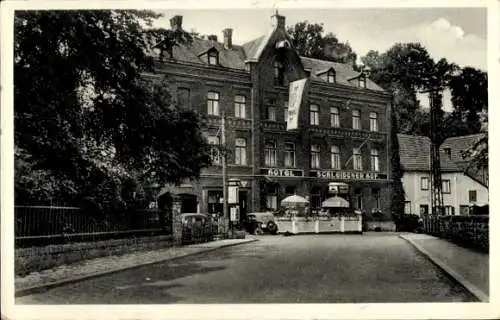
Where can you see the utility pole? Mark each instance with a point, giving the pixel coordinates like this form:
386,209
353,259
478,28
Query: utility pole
436,188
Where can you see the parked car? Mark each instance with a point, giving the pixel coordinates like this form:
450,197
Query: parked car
197,227
261,221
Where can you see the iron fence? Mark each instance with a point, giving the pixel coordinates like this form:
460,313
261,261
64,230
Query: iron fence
50,224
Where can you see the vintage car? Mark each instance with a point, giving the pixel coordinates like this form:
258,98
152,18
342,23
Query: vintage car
197,227
261,222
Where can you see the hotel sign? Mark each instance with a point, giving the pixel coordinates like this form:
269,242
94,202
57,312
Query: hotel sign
346,175
276,172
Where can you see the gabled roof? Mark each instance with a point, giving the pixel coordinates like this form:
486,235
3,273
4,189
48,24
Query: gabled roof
212,48
343,72
414,154
236,56
192,53
320,72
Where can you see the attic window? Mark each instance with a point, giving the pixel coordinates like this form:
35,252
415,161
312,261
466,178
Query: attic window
213,58
331,76
279,73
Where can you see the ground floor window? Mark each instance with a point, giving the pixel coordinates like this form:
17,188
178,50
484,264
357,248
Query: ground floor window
214,201
407,207
464,210
271,198
424,209
449,210
376,196
290,190
358,199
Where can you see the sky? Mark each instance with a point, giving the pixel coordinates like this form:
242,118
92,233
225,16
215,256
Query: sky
457,34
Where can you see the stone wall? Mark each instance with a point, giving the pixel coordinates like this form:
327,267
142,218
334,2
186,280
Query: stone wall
472,231
39,258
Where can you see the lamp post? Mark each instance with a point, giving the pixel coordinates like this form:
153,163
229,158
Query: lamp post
224,171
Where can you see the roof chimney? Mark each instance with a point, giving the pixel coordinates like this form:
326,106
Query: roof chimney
176,23
278,21
212,37
228,38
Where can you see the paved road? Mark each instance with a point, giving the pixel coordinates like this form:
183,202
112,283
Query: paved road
301,269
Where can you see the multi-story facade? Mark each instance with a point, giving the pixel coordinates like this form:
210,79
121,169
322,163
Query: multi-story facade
462,184
343,133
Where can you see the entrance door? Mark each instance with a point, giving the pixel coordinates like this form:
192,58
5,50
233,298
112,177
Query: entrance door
243,205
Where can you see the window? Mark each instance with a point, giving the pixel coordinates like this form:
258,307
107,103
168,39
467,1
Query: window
270,153
356,120
183,97
331,76
290,190
334,117
285,111
362,82
215,155
213,58
358,199
271,113
376,196
446,186
464,210
271,109
279,74
314,114
316,198
424,183
335,155
315,156
289,154
449,210
213,103
373,121
240,156
407,207
357,160
215,204
447,151
375,160
271,198
239,106
424,209
472,195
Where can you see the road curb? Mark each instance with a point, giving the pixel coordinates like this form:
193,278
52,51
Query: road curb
43,287
474,290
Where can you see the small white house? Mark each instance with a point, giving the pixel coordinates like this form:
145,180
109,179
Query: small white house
462,183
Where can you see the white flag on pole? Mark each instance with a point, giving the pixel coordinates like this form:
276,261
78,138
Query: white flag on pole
294,102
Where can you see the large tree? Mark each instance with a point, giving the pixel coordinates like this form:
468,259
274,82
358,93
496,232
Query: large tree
84,117
469,91
310,41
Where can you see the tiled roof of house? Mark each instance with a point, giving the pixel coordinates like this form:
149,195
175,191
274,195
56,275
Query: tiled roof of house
343,72
190,52
235,57
414,153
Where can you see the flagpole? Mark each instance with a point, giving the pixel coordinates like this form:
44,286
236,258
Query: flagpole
352,155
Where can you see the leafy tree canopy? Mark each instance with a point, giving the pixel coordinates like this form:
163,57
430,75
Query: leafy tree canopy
310,41
82,113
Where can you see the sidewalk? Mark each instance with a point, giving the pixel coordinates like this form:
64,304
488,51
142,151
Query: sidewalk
95,267
470,268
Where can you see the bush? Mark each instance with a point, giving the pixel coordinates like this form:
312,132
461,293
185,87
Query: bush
408,222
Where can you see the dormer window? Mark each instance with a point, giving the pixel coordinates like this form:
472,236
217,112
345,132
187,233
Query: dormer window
213,58
331,76
279,73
